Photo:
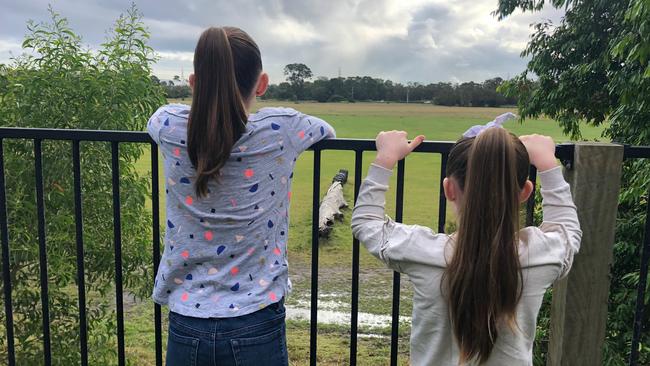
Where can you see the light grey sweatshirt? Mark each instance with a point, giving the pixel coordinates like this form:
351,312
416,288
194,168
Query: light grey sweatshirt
545,252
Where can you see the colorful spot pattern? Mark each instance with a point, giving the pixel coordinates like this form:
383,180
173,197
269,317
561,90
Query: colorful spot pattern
225,254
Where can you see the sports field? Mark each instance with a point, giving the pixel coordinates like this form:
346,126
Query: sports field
354,120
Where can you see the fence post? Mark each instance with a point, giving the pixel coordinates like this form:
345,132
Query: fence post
579,308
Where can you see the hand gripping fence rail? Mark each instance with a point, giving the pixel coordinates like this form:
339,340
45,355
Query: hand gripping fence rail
358,147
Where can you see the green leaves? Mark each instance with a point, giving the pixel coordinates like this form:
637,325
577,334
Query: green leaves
60,84
296,75
593,68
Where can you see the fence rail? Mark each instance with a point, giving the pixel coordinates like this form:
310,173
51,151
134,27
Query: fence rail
565,152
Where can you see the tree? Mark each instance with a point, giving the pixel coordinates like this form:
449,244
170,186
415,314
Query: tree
296,75
492,97
177,78
320,91
593,68
445,94
67,86
178,91
367,88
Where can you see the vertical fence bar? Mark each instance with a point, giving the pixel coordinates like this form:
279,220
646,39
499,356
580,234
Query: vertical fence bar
442,205
313,321
354,316
117,236
81,283
155,208
399,213
6,274
530,204
40,204
640,297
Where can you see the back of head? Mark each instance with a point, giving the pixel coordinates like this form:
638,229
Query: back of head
482,282
227,64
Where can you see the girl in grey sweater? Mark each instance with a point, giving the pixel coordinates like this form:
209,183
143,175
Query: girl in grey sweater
477,292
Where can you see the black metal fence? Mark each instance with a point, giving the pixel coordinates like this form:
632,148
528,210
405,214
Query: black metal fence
563,152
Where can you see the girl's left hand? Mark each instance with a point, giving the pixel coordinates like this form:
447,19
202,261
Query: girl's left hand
393,146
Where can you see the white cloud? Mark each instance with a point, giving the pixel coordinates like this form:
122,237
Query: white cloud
172,29
8,49
9,46
290,31
414,40
176,56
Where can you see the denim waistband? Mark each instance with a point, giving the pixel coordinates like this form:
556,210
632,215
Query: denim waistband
224,327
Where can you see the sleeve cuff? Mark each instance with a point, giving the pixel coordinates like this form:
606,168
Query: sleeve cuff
552,178
379,174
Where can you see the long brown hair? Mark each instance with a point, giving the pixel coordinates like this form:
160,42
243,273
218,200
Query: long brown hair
482,281
227,64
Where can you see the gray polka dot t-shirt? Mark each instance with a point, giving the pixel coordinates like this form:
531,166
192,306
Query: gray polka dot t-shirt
225,254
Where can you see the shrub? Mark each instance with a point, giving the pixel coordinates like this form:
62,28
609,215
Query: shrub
61,84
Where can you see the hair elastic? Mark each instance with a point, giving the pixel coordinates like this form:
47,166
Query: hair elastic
497,122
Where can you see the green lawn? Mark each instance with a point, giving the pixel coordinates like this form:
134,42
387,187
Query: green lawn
365,120
357,120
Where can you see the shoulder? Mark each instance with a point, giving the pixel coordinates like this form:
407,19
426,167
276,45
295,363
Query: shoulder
174,110
270,112
168,112
170,120
541,247
177,109
418,244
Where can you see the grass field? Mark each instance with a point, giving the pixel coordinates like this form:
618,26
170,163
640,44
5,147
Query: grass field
357,120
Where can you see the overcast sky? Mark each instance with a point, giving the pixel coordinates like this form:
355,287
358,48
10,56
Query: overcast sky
401,40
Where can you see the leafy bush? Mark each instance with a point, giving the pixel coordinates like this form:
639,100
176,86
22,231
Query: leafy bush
594,67
61,84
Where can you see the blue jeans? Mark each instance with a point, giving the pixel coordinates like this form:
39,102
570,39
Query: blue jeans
254,339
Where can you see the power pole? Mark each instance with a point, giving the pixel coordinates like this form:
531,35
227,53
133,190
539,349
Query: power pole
407,95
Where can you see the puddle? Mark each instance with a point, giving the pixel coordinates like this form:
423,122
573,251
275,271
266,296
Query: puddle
375,336
324,305
334,312
326,315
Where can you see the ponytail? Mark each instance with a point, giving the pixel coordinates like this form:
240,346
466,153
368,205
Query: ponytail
227,64
483,279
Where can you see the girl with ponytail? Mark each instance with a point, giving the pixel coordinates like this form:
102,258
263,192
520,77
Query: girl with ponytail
477,291
224,271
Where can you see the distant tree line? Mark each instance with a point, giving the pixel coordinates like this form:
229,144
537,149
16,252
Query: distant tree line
173,88
366,88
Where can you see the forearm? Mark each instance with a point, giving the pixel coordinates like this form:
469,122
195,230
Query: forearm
368,217
558,206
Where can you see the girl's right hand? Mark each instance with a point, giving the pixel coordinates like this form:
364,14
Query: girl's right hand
393,146
541,151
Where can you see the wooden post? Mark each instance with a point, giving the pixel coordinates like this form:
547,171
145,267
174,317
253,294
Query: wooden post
579,308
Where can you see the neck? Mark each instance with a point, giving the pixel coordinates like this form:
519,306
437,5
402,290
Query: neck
249,104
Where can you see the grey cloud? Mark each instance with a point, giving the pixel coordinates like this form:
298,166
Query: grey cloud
416,41
433,11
